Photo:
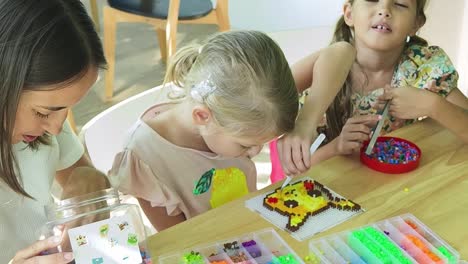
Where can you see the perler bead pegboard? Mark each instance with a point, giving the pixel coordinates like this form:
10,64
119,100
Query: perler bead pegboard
304,208
392,155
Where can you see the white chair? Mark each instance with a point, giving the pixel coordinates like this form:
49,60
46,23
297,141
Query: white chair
104,134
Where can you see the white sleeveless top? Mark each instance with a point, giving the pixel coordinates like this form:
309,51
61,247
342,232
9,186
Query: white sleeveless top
21,218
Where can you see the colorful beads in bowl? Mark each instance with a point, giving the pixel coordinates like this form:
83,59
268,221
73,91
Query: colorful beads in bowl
392,155
394,152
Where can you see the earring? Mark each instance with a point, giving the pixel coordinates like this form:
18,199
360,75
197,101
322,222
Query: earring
408,39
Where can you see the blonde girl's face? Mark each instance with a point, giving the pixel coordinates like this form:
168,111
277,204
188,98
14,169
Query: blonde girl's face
382,24
45,110
226,145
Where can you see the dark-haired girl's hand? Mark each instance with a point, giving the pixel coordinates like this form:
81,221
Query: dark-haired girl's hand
409,102
356,130
31,254
293,148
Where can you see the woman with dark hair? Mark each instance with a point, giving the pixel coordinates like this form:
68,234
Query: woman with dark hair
50,55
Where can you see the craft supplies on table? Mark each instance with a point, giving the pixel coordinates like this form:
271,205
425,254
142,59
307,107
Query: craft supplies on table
304,208
97,228
401,239
392,155
260,247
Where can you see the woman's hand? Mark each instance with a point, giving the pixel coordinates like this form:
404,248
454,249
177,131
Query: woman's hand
82,181
356,130
293,148
30,255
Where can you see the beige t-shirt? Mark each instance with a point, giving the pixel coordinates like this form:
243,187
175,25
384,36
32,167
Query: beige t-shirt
154,169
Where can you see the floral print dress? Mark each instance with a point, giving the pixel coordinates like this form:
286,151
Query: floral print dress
422,67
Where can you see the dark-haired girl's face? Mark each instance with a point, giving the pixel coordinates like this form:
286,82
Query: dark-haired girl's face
44,109
382,24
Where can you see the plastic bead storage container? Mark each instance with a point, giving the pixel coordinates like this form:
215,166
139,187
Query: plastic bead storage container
261,247
97,228
402,239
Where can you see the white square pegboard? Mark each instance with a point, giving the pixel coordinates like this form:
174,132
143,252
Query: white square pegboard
304,208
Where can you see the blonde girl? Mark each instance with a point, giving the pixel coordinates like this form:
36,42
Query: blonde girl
183,158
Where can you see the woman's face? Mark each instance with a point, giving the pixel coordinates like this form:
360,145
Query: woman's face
45,109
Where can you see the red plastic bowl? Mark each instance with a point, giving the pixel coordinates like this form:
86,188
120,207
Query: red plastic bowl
387,167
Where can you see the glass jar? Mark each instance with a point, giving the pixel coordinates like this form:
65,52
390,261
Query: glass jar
97,228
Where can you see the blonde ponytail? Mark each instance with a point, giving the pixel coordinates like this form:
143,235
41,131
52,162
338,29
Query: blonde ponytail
181,64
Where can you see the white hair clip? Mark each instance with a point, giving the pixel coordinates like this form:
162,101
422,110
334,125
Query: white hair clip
200,91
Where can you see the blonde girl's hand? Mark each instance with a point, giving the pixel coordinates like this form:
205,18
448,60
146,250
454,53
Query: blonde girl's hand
293,148
408,102
30,255
356,130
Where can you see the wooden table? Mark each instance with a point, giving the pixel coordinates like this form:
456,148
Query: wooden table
437,194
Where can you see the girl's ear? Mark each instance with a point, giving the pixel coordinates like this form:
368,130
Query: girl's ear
201,115
347,14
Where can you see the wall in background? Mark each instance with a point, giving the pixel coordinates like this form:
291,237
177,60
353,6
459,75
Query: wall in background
443,25
279,15
446,27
